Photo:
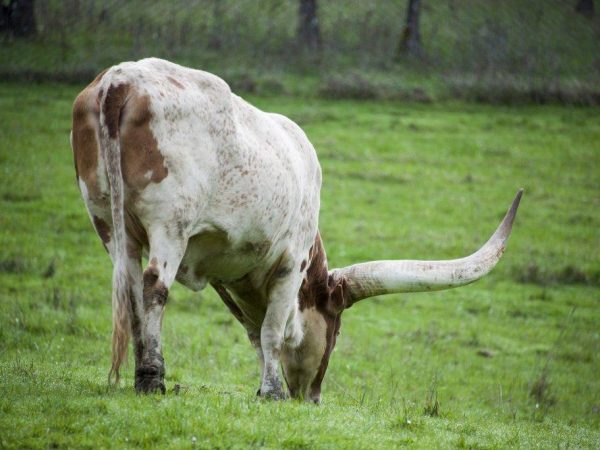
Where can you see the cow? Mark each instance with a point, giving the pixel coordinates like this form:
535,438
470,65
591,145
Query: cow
174,167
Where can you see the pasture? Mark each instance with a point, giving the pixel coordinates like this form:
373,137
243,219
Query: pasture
511,361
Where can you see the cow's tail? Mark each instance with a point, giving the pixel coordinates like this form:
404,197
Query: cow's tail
111,106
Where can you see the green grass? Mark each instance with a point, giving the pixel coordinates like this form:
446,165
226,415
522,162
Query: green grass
511,361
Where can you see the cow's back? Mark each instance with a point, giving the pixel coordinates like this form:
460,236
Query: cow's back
196,155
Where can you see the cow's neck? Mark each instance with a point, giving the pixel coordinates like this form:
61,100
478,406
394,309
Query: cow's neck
314,292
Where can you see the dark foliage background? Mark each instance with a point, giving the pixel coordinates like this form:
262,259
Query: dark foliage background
511,50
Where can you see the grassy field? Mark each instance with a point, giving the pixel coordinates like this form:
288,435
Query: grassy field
511,361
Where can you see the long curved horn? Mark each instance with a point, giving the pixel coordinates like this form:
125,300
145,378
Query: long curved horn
386,277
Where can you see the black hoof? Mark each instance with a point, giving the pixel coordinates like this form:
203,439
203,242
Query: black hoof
150,386
275,394
149,380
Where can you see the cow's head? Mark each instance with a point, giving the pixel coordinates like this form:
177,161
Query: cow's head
322,300
325,295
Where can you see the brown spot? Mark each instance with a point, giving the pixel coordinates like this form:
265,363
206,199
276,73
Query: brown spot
175,82
327,295
141,160
115,99
155,291
315,289
183,269
85,146
102,229
86,112
161,294
302,266
282,272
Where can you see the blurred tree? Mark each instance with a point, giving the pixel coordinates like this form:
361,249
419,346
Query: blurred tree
309,33
17,18
410,39
215,41
104,12
585,7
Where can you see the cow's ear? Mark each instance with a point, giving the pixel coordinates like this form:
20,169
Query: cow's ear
338,297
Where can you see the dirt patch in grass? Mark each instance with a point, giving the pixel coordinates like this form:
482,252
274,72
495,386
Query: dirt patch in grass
14,265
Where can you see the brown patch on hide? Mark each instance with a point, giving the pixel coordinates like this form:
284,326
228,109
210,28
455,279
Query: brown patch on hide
282,272
155,291
113,103
86,113
175,82
102,228
328,296
151,275
302,266
315,290
333,327
161,293
141,160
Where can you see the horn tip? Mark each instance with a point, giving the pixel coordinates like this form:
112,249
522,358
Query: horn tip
506,224
516,201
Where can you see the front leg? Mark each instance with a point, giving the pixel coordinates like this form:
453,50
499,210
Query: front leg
281,314
255,341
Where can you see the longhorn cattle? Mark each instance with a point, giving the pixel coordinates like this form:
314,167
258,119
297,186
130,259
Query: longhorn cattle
171,164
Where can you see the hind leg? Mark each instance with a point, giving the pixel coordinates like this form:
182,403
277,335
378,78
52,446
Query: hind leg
165,256
134,269
100,215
